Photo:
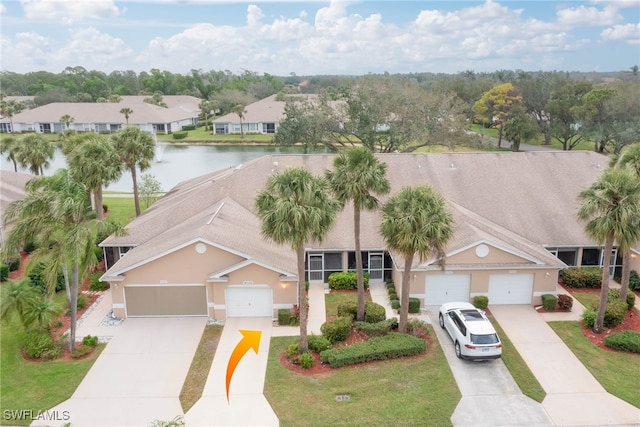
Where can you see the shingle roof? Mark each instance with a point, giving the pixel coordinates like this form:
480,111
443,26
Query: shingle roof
523,201
11,188
265,110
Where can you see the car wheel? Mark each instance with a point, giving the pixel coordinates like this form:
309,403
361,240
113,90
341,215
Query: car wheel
456,346
441,320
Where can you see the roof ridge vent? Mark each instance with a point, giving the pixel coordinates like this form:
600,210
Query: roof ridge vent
215,214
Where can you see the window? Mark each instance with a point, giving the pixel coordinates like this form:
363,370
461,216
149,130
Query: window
268,128
222,128
484,339
253,127
590,256
123,250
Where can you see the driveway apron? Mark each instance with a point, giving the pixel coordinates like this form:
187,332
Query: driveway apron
574,396
246,406
138,377
490,396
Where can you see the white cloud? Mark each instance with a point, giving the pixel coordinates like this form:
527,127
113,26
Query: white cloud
628,32
588,16
3,8
69,11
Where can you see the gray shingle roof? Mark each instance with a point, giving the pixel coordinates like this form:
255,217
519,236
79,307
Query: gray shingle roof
11,188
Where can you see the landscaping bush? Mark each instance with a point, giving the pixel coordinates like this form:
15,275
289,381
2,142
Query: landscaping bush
377,329
582,277
336,330
95,284
549,302
481,302
634,281
393,295
318,343
52,354
4,273
98,253
348,308
374,313
13,263
615,294
37,279
589,317
417,327
37,342
346,280
188,127
29,246
624,341
293,350
82,302
90,341
389,346
284,316
306,360
180,134
80,351
615,312
565,302
395,304
414,305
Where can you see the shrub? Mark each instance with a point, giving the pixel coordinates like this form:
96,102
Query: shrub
37,279
13,263
95,284
589,317
97,252
52,354
29,246
374,312
624,341
347,308
80,351
549,302
395,304
393,295
293,350
389,346
188,127
336,330
615,312
378,328
284,316
414,305
82,302
634,281
90,341
417,327
582,277
565,302
481,302
306,360
615,294
318,343
37,342
4,273
180,134
346,280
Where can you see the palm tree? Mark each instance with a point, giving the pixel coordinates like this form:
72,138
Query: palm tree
240,111
136,150
43,313
8,144
205,109
629,158
17,298
611,207
127,112
95,163
357,177
34,151
296,208
67,120
53,214
9,109
415,220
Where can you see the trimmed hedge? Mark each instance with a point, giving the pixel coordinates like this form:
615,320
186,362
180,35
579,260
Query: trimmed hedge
346,280
189,127
481,302
615,294
414,305
377,329
284,316
624,341
613,315
549,302
565,302
336,330
582,277
374,313
348,308
389,346
180,134
634,280
395,304
95,284
318,343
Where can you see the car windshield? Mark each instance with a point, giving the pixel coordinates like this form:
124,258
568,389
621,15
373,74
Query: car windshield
471,315
484,339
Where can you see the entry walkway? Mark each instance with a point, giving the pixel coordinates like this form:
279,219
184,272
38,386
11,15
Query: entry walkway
574,396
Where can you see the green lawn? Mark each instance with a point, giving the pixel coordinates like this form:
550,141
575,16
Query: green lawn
405,392
520,372
616,371
202,136
122,209
588,299
555,144
333,299
34,385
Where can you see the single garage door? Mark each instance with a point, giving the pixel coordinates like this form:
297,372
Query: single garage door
249,301
143,301
447,288
510,288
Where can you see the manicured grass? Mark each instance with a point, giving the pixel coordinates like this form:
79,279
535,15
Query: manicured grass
200,367
122,209
616,371
333,299
403,392
202,136
34,386
588,299
520,372
555,144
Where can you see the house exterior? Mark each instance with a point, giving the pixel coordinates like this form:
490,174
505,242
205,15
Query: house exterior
199,250
260,117
105,117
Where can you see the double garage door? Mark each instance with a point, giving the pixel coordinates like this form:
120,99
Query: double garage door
149,301
503,288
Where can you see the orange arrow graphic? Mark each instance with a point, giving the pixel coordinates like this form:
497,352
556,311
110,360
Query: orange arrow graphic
250,339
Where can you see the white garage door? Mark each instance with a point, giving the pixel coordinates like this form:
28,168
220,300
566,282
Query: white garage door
510,288
249,301
447,288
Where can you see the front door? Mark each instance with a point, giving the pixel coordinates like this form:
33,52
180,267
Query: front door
316,269
376,266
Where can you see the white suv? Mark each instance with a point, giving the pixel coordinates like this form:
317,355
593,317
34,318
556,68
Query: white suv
473,335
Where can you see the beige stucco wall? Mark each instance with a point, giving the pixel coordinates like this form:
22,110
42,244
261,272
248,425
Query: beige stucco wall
495,256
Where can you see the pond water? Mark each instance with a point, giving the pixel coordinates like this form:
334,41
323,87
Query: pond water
176,163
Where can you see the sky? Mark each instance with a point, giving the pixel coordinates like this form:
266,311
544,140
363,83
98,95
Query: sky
312,38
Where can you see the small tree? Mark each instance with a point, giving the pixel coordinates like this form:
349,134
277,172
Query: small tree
520,128
67,120
149,189
240,111
126,111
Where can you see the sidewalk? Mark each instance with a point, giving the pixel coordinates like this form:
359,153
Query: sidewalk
94,322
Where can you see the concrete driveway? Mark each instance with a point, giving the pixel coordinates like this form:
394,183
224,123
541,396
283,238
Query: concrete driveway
138,377
490,396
